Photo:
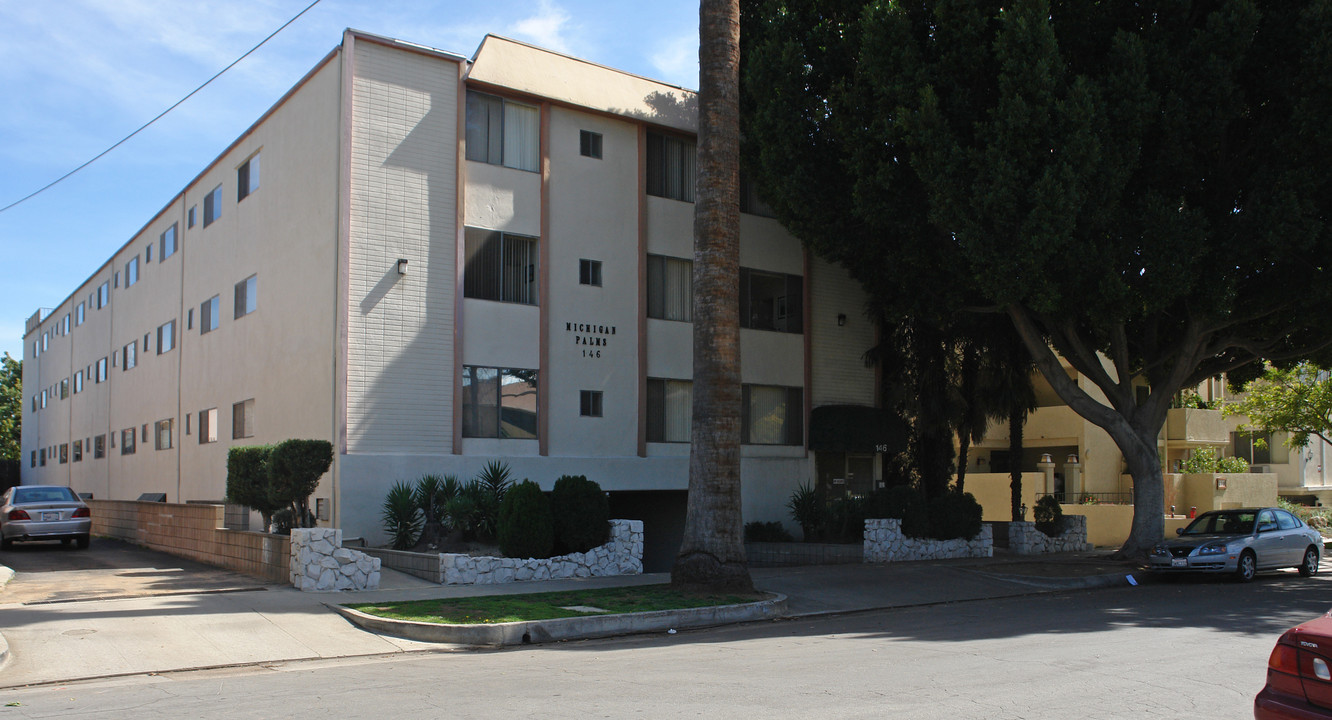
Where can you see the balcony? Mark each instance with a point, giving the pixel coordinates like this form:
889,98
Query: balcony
1196,427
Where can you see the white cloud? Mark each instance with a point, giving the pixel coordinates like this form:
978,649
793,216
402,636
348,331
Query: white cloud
676,60
547,28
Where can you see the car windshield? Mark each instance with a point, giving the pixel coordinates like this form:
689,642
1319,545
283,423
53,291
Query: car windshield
1232,522
43,494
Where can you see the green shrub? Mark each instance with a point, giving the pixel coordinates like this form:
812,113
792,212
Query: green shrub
904,503
955,515
526,526
1207,459
582,514
809,511
294,469
1049,516
247,480
488,489
846,520
1233,464
402,516
767,532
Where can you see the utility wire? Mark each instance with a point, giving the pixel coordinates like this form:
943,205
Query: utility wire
123,140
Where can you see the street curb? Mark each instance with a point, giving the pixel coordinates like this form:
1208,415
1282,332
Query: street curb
577,628
6,574
1079,583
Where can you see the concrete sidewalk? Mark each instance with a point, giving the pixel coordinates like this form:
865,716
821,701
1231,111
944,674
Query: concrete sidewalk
68,641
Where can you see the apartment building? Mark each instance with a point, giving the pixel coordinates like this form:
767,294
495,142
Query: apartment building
435,262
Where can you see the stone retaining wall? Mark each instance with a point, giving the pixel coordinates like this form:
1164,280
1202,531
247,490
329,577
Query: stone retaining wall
884,542
1025,539
622,555
319,562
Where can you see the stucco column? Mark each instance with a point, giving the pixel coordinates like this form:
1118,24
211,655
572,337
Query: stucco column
1047,466
1072,480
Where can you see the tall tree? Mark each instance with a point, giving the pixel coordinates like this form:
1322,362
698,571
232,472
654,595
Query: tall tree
11,408
712,555
1296,400
1139,187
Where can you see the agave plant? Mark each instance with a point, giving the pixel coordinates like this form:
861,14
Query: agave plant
488,489
402,516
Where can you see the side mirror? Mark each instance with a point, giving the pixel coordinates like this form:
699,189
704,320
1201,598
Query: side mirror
1179,531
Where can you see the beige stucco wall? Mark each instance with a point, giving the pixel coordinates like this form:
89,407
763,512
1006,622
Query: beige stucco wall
993,492
1199,490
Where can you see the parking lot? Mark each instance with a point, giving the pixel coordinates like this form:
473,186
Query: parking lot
49,572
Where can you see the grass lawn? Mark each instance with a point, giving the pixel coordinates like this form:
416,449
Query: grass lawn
488,609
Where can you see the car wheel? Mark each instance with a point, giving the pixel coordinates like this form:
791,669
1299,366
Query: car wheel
1247,567
83,542
6,543
1309,567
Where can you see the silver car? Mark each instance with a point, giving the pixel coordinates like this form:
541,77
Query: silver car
1243,542
43,512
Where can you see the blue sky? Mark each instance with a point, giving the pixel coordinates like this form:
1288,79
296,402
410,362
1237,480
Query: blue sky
78,75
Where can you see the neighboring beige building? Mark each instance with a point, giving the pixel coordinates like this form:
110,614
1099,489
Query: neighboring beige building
436,262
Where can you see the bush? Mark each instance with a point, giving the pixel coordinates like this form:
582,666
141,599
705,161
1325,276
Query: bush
247,480
402,516
955,515
846,520
1208,459
294,469
582,514
809,511
526,525
904,503
487,491
1049,516
767,532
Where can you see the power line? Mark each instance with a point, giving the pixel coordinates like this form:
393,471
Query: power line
143,127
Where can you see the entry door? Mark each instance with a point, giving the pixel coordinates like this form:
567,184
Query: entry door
860,474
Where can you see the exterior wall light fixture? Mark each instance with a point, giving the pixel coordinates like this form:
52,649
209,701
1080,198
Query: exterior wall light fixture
402,267
841,319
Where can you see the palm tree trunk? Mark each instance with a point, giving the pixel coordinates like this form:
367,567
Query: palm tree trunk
1016,420
712,554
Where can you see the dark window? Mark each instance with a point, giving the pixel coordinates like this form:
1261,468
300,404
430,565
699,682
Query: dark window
247,178
99,447
670,288
242,420
589,272
750,201
168,243
771,301
502,132
669,408
127,438
589,144
772,415
247,297
670,167
212,206
500,267
499,403
589,403
1254,447
209,312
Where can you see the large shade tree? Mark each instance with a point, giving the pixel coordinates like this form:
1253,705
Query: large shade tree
11,408
712,554
1139,187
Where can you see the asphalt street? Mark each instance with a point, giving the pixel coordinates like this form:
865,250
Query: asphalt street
1183,649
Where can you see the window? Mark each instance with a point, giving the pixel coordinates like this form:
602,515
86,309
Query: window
132,271
208,314
42,458
44,394
247,178
145,433
589,272
166,337
750,201
771,301
65,325
589,144
99,447
187,424
670,288
168,242
242,419
771,415
103,295
127,438
78,451
162,434
669,408
500,267
189,217
64,388
148,254
246,296
589,403
499,403
33,461
78,382
78,315
116,283
212,206
131,355
502,132
189,319
670,167
1254,447
101,370
46,340
208,426
64,453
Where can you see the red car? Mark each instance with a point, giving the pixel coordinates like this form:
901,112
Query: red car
1299,674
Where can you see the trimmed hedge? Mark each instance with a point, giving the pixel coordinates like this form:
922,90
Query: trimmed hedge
526,524
581,513
955,515
1049,516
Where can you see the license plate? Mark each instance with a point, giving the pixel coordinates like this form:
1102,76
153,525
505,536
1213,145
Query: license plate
50,516
1179,562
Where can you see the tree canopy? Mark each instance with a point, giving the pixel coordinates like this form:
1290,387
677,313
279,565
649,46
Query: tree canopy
1140,187
11,408
1295,400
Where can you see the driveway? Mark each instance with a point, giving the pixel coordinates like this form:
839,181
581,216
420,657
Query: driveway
48,572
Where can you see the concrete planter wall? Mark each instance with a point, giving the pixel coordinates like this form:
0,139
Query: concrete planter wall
884,542
623,555
319,562
1025,539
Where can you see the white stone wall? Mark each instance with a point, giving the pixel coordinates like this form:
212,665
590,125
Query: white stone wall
622,555
884,542
1025,539
319,562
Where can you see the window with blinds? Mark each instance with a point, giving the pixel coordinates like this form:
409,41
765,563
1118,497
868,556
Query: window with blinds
670,288
500,267
503,132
